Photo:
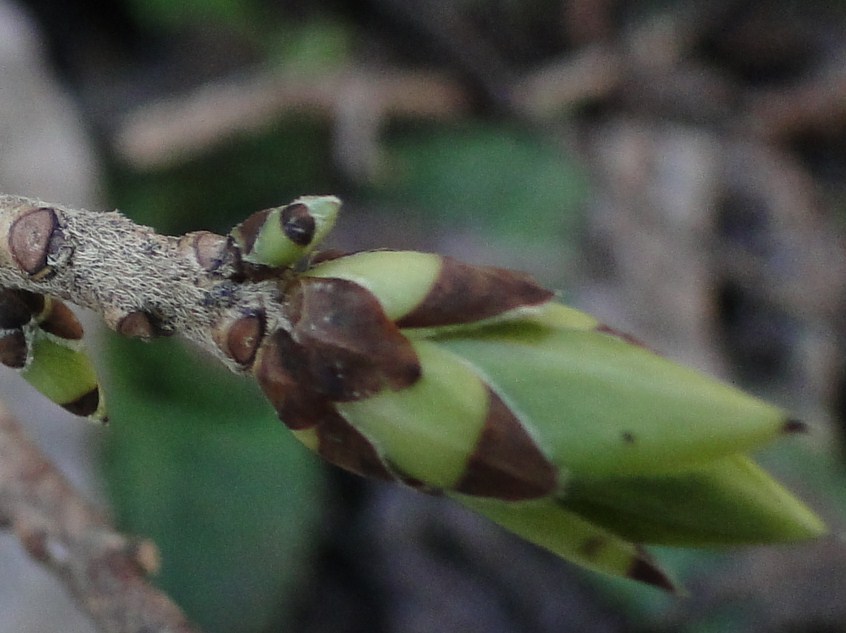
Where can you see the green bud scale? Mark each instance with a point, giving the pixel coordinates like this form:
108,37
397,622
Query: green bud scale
41,338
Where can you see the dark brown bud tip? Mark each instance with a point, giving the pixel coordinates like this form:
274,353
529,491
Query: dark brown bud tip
13,349
644,570
30,238
795,426
298,224
85,405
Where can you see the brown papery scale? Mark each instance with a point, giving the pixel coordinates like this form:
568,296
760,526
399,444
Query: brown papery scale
341,444
30,240
34,301
463,294
283,374
13,349
506,462
249,229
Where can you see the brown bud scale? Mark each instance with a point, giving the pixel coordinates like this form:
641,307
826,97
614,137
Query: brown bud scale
463,294
298,224
349,348
249,229
506,463
282,375
341,444
31,240
34,301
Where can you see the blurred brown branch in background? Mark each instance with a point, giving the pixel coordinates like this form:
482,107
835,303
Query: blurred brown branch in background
104,570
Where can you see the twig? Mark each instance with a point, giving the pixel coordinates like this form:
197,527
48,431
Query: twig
170,131
104,570
143,284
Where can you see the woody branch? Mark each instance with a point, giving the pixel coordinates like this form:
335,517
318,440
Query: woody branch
142,283
104,570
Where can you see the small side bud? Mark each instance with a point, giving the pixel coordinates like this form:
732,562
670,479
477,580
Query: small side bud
140,324
136,325
33,237
280,236
215,253
240,339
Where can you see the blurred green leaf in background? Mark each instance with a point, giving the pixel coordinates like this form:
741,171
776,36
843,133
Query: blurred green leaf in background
199,463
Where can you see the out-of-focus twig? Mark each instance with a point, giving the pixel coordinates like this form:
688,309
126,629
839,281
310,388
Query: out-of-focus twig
170,131
816,104
104,570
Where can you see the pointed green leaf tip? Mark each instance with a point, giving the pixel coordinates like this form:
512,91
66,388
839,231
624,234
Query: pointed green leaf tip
605,407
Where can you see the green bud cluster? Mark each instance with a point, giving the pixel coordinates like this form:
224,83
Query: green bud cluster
473,382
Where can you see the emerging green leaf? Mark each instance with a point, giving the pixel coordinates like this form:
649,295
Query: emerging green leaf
565,432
